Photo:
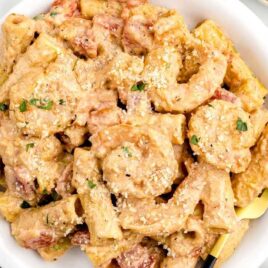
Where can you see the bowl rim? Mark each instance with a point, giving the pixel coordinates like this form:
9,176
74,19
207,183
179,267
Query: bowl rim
260,34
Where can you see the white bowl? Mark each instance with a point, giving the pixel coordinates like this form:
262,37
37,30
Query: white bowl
251,38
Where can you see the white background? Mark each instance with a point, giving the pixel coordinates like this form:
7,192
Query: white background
255,5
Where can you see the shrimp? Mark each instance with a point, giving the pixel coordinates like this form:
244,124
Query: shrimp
146,217
139,156
222,133
162,67
44,102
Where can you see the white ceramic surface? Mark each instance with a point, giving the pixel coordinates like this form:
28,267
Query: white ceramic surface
251,39
260,7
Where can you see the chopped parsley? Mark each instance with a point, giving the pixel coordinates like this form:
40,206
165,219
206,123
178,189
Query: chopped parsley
29,145
23,106
25,205
91,184
57,247
194,140
140,86
126,150
210,105
241,125
34,101
3,107
38,17
45,191
44,104
53,14
61,101
168,65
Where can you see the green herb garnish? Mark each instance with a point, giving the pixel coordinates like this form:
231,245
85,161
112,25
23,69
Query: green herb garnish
168,65
3,107
126,150
210,105
57,247
38,17
91,184
45,192
42,104
140,86
53,14
34,101
194,140
25,205
241,125
23,106
29,145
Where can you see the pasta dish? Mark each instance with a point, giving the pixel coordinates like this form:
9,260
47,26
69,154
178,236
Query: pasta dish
126,134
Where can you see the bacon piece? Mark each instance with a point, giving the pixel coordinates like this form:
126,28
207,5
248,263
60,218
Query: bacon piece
137,257
85,44
20,181
44,240
223,94
64,187
113,24
69,7
80,238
